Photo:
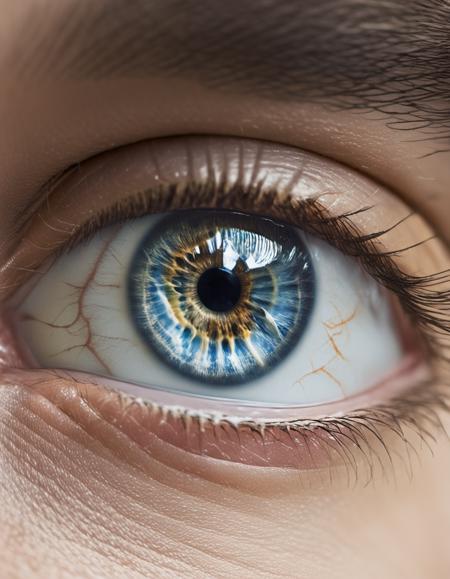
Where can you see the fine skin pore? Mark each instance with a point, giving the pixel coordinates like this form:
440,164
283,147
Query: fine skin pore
81,497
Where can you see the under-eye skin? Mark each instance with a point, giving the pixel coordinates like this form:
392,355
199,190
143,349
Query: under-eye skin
352,361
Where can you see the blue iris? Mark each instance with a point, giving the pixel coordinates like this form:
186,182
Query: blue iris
221,296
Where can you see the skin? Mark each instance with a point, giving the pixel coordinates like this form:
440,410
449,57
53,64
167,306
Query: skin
81,498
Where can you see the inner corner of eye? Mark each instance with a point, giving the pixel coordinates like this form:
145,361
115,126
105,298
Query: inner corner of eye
218,305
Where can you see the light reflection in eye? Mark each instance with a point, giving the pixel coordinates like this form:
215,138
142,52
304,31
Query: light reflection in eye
77,317
221,296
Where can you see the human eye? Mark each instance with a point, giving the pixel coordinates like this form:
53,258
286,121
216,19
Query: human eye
225,287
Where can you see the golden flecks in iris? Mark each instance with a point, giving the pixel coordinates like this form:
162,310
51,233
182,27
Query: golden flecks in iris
220,347
183,268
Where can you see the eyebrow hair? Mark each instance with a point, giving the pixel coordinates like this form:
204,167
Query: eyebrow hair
386,56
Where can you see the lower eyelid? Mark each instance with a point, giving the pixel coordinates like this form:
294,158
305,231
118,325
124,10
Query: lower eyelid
67,406
70,205
347,442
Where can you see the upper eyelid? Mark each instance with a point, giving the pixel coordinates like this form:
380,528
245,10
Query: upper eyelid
221,181
72,177
69,189
76,173
70,181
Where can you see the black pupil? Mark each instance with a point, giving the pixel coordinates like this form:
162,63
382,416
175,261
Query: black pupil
219,289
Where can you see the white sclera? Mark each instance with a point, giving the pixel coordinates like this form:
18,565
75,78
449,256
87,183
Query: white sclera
350,344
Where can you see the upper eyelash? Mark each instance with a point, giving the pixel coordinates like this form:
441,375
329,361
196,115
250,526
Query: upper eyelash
429,308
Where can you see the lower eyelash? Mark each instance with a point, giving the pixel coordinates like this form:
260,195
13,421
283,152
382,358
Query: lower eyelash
364,442
357,441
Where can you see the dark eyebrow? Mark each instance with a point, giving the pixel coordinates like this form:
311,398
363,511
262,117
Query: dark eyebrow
389,56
